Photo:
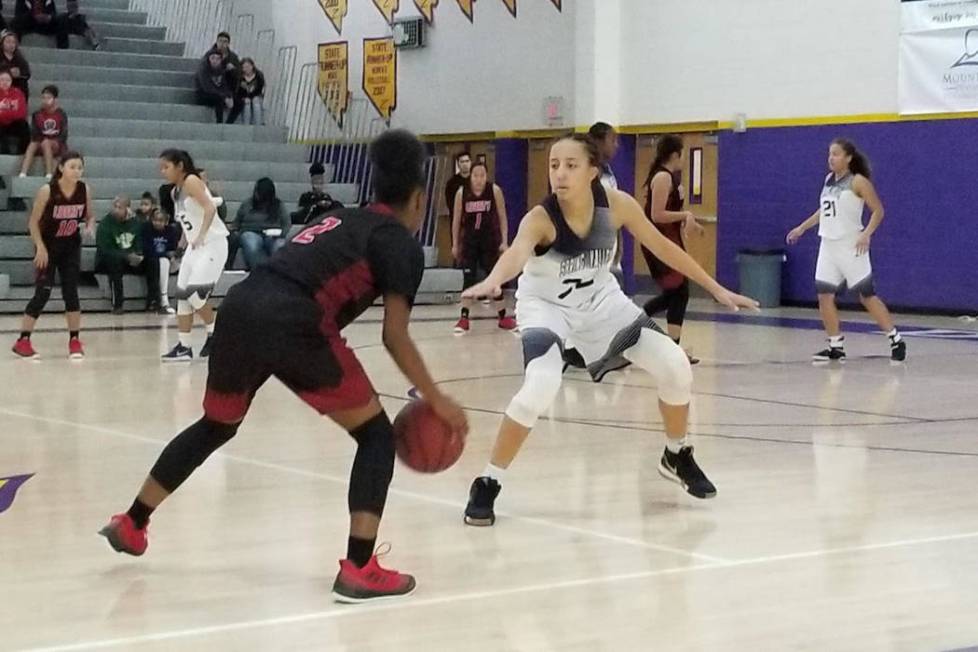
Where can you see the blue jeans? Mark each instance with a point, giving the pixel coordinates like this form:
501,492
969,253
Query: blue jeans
253,111
257,248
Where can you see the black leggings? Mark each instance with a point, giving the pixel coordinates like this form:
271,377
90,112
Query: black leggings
66,261
673,301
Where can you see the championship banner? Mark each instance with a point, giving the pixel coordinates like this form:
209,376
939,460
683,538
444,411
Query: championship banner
387,9
335,10
938,56
334,78
380,75
427,9
466,7
511,5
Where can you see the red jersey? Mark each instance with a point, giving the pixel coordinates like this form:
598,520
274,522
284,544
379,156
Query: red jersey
62,216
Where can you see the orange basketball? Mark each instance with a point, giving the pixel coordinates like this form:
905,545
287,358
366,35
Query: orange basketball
423,441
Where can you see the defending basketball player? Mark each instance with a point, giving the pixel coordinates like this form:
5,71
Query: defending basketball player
284,321
196,211
843,256
565,248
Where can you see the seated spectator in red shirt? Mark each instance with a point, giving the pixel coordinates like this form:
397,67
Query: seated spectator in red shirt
49,133
14,132
12,59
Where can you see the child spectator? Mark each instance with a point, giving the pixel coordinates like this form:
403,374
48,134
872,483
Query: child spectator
260,224
40,16
161,248
14,132
118,249
250,95
49,133
12,59
77,23
214,88
147,207
315,203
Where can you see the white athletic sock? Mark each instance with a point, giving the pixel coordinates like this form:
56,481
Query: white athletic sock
675,445
894,336
836,341
185,339
210,328
494,472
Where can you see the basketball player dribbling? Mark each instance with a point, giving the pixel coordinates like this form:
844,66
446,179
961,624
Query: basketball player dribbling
285,320
843,256
565,248
195,209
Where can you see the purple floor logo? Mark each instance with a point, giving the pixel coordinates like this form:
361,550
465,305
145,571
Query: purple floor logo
8,489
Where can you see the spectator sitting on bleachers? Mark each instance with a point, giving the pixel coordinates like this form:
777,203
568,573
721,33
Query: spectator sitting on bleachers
49,133
229,60
147,207
119,249
214,86
14,132
77,23
315,203
261,224
161,247
40,16
249,95
12,59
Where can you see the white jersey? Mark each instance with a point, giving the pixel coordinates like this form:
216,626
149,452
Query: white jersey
573,271
190,215
841,209
608,178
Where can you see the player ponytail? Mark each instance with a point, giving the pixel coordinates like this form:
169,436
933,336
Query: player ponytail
859,163
397,158
181,159
665,147
67,156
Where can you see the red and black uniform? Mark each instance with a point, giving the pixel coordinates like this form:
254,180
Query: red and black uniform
285,319
674,286
50,125
60,228
479,231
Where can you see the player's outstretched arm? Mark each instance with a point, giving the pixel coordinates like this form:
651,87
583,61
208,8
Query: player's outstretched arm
398,342
533,231
795,234
630,214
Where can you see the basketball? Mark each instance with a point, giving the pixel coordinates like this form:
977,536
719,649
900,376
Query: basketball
423,441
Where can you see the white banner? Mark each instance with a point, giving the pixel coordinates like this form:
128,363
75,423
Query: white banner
939,56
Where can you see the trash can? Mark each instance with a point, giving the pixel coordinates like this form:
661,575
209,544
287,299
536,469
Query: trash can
760,275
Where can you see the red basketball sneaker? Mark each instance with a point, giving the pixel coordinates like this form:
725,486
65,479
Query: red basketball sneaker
354,585
124,536
462,326
24,349
75,349
507,323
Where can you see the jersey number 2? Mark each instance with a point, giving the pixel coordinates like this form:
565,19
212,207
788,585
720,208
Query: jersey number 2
828,208
574,284
307,236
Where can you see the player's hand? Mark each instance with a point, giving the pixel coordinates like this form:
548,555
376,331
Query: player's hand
735,301
451,412
41,258
229,102
862,244
503,247
693,227
198,242
794,235
483,290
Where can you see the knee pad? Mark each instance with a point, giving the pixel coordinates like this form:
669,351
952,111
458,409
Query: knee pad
188,450
541,382
665,361
373,466
195,296
40,299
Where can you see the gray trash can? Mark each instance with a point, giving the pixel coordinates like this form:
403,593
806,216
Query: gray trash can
760,275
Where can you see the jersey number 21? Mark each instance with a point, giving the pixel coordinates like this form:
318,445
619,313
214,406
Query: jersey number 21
828,208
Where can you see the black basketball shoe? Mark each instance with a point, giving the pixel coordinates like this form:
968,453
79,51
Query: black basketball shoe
482,496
